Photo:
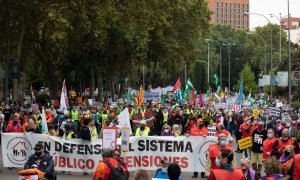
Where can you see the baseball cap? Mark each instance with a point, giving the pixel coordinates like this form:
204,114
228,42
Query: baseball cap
38,146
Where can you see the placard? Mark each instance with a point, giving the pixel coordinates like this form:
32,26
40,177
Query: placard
125,139
245,142
109,137
255,113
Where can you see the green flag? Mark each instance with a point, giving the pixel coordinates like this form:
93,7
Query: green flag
188,87
162,98
216,80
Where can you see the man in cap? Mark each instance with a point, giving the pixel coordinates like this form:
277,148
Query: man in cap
143,130
42,161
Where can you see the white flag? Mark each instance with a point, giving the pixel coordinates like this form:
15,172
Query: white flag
44,122
63,98
123,118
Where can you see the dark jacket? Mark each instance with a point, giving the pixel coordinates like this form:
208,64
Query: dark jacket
46,165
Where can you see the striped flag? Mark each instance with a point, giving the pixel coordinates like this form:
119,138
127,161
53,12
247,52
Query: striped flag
140,97
64,98
44,122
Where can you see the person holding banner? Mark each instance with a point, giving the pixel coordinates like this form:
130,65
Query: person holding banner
213,152
226,171
42,161
199,130
143,130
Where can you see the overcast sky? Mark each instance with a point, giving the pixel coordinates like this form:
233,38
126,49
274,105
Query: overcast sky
267,7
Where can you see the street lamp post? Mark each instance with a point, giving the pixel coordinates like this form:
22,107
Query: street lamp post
271,42
289,52
229,68
265,67
280,21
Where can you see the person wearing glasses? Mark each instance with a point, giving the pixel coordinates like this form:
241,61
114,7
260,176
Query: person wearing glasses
117,156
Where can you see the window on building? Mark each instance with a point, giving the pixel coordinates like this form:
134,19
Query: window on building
295,24
229,4
238,5
221,4
217,4
233,5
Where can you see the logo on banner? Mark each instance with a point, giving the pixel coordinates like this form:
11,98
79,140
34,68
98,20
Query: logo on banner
203,152
20,149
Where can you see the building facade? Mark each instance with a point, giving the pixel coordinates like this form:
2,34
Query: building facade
230,12
294,23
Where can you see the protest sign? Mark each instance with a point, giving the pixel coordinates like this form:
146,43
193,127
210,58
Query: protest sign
236,108
274,111
109,137
151,95
79,155
212,131
126,131
255,113
245,143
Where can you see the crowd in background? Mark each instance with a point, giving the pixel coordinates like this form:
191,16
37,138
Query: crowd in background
275,138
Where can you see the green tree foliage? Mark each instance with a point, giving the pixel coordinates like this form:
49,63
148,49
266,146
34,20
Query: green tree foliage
99,40
199,76
249,80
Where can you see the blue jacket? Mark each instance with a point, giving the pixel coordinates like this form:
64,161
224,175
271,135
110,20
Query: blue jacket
161,175
46,164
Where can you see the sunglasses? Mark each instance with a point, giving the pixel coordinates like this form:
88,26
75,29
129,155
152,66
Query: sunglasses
118,155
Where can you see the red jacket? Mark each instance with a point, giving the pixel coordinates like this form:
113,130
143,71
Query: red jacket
214,151
196,131
246,129
268,147
221,174
103,170
14,128
297,166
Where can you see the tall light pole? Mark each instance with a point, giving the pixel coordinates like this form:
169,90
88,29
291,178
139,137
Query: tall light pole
207,61
220,48
271,42
229,65
289,51
265,67
280,21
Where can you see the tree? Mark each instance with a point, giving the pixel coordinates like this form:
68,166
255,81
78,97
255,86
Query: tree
249,80
199,76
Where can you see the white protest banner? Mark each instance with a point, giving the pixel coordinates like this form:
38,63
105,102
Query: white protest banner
83,156
109,137
267,80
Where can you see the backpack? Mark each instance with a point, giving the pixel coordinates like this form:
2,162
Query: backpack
85,133
116,173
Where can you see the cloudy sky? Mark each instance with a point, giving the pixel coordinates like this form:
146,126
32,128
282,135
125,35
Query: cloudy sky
267,7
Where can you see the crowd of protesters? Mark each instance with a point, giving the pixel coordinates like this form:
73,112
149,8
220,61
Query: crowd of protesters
275,138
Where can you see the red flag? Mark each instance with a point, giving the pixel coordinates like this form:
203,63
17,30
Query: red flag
177,85
201,99
192,99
